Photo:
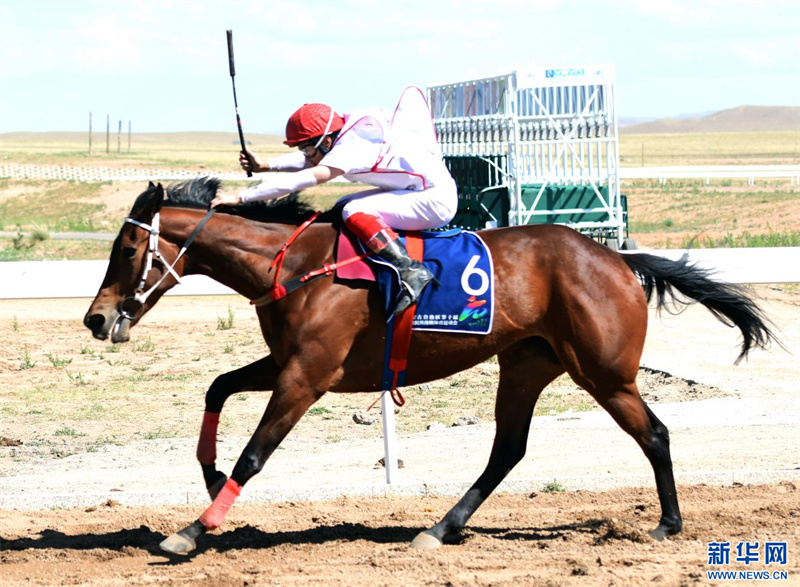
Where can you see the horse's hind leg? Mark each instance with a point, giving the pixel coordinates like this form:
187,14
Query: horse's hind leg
258,376
634,416
525,370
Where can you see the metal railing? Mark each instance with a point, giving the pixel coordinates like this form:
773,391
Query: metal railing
709,172
77,173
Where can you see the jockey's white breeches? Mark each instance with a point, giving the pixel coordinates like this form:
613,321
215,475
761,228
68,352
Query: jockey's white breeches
406,209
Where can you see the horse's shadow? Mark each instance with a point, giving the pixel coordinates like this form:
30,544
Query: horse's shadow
249,537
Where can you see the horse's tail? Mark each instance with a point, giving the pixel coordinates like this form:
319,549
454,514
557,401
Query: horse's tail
728,302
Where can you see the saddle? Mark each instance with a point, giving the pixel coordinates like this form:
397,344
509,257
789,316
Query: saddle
458,259
463,303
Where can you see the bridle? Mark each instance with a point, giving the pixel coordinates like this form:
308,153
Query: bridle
131,306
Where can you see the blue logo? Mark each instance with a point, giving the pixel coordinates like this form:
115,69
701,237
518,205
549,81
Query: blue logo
719,553
774,553
569,72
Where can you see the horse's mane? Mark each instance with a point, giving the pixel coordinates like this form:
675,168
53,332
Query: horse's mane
198,193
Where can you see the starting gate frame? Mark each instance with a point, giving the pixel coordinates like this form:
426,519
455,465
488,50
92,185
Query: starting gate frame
549,135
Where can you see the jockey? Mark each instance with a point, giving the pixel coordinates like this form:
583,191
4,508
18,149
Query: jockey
397,153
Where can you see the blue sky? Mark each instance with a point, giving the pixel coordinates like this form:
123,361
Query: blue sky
163,64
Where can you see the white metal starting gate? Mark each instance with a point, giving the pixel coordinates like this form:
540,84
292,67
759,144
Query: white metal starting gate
550,136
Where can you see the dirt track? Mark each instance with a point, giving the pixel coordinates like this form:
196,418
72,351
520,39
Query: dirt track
574,538
527,538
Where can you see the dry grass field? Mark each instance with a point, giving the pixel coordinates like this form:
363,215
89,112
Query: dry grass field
724,213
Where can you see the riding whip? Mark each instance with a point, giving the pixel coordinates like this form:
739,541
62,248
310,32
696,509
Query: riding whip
235,101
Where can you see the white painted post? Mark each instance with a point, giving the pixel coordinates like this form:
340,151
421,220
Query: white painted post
389,437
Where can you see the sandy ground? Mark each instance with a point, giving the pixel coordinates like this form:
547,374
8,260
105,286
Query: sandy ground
321,513
573,538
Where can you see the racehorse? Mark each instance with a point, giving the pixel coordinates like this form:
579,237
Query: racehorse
563,303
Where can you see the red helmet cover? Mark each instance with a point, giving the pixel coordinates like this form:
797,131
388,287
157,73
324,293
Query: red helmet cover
309,122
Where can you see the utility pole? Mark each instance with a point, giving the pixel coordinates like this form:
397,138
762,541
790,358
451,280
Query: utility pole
119,137
108,131
90,133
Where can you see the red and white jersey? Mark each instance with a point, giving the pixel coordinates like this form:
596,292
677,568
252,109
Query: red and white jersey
392,151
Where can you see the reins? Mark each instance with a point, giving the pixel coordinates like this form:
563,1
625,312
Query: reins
278,290
130,306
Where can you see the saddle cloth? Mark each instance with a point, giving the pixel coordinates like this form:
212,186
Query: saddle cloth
460,261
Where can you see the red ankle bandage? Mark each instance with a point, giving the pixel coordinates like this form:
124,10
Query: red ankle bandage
207,444
213,517
371,230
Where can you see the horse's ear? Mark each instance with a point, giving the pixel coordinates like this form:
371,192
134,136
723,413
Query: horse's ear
158,198
151,185
150,201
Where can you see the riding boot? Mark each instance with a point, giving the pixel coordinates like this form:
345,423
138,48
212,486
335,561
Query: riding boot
414,276
384,242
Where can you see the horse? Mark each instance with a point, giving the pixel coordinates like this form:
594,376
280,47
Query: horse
563,304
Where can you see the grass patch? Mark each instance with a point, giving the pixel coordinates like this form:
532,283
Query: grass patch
78,379
731,148
317,410
789,238
226,322
553,487
55,250
145,346
194,150
55,206
67,431
160,433
25,362
764,215
57,361
179,377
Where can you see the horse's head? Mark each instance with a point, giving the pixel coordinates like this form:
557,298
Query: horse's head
137,274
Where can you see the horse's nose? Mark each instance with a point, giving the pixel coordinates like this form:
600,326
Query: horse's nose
95,323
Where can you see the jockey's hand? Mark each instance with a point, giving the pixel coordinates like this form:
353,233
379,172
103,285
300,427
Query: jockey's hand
250,162
225,200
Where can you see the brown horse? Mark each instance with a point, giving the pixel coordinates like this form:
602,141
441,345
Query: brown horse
563,303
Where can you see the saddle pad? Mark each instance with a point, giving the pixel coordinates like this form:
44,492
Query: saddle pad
464,302
347,247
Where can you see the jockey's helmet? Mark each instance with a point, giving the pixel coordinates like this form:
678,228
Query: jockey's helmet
311,121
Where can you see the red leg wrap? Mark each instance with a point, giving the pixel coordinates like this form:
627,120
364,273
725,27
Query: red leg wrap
207,444
370,230
213,517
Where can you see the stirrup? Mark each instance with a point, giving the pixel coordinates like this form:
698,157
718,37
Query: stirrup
406,300
408,295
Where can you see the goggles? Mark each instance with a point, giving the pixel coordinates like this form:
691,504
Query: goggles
310,150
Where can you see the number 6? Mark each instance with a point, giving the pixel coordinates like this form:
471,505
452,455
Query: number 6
473,270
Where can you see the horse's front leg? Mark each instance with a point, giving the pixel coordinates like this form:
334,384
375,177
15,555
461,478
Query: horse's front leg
258,376
294,394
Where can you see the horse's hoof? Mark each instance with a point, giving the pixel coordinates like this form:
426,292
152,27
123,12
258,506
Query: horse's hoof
214,489
426,542
666,528
178,544
658,534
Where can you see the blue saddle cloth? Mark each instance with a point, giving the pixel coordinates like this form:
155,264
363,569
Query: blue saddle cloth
464,302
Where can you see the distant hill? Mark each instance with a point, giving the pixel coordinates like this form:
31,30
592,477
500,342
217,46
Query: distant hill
740,119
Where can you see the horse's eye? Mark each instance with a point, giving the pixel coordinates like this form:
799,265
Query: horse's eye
129,252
